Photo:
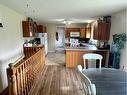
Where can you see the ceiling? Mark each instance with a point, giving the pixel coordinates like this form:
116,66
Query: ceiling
55,11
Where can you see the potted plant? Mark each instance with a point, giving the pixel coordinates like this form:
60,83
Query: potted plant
118,44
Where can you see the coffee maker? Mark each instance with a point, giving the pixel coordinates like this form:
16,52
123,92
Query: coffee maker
103,45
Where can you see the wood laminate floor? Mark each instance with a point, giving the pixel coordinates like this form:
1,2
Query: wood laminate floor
58,80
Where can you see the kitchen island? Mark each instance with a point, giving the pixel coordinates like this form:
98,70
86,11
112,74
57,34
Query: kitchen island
74,55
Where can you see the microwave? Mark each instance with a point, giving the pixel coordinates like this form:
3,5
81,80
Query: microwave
74,34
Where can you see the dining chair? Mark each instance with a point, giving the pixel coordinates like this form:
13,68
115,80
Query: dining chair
90,89
90,56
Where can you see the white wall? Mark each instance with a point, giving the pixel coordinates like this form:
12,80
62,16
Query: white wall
61,37
119,25
76,25
11,40
51,30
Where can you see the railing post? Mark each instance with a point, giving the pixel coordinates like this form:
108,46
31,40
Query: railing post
12,79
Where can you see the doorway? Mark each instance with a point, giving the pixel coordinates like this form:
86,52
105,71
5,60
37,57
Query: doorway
58,57
60,38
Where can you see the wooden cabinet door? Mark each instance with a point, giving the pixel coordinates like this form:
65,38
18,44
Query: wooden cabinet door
40,28
107,31
67,34
104,55
88,32
82,33
101,31
34,29
44,29
85,32
27,29
95,31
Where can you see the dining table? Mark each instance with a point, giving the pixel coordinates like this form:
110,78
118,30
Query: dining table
108,81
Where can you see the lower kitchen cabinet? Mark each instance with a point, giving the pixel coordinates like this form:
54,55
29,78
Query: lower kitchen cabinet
75,57
105,57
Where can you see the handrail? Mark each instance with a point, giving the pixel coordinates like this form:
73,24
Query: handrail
22,75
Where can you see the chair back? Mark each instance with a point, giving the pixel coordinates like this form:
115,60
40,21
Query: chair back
90,56
89,88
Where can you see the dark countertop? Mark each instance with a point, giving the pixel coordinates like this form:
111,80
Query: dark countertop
86,48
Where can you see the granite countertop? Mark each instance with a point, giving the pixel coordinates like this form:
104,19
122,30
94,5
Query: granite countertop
86,48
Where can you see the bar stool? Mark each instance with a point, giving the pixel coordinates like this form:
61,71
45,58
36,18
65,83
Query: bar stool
92,56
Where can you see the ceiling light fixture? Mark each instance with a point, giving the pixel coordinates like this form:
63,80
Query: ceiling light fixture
67,22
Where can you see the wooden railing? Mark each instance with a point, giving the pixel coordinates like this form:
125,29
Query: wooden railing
28,51
22,76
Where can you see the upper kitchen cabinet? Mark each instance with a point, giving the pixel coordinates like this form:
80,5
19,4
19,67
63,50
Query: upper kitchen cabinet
69,30
41,29
29,28
35,28
101,30
45,29
85,32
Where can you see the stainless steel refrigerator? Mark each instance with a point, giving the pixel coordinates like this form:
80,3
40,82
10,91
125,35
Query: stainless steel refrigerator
43,39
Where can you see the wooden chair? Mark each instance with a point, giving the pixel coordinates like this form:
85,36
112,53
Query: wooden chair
92,56
90,89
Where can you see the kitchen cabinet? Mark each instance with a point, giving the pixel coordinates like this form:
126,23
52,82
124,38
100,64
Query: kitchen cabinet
85,32
68,30
101,30
88,32
27,29
45,29
75,57
34,29
105,58
41,29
